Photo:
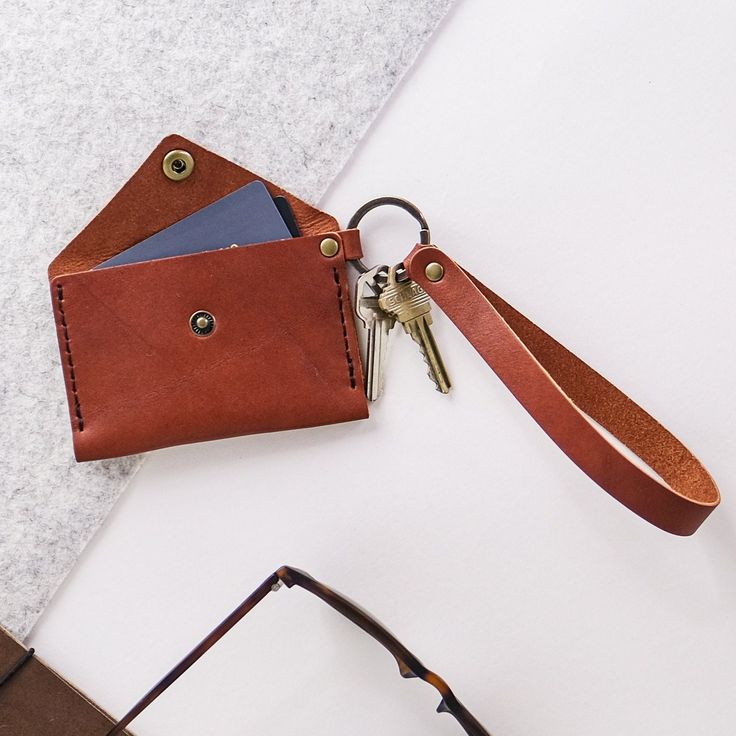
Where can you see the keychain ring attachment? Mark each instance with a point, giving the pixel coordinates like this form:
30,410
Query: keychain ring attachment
405,205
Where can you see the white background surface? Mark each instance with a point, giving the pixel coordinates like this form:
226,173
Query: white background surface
579,157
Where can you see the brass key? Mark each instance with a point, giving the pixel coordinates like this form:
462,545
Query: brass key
409,304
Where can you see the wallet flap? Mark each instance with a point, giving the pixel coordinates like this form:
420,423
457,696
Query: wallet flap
150,202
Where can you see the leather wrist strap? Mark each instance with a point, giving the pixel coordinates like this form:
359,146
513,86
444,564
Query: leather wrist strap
562,393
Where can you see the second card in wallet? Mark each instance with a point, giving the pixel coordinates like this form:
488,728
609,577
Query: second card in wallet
247,215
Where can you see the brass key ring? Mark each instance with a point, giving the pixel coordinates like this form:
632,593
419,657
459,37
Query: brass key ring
404,204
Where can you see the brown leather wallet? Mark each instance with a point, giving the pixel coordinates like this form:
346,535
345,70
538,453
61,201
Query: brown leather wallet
283,354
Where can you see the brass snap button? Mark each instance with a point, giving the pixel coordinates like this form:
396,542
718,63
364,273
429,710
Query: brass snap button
178,164
202,323
329,247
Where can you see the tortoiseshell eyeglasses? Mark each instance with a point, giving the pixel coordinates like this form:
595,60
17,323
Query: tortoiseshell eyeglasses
409,665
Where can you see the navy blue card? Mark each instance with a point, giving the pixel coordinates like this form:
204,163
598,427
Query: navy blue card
247,215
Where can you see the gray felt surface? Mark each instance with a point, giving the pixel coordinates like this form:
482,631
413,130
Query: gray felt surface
87,89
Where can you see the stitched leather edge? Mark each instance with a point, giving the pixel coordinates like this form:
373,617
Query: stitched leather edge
348,354
70,360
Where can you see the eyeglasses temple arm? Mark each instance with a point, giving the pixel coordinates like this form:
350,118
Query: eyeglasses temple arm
271,583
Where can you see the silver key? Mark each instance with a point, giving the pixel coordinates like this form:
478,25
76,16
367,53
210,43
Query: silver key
409,303
378,324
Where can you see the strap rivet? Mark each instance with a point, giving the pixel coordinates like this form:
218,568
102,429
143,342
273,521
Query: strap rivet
329,247
178,165
434,271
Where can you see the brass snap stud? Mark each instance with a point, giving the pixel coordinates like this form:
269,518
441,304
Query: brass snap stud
178,164
434,271
202,323
329,247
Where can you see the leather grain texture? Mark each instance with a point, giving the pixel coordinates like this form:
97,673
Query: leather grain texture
36,701
283,353
562,393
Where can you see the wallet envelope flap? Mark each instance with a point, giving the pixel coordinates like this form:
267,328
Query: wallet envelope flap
150,202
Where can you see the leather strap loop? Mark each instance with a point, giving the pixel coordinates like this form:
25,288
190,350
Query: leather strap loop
351,242
562,394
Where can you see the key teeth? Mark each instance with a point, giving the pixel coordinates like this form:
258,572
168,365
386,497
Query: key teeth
433,377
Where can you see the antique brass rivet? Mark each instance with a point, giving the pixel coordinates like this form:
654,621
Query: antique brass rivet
202,323
329,247
434,271
178,165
